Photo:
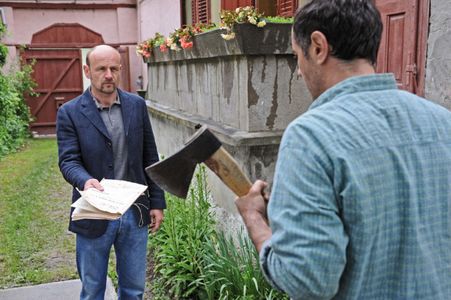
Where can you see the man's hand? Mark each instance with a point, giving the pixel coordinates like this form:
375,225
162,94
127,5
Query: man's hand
93,183
156,218
252,208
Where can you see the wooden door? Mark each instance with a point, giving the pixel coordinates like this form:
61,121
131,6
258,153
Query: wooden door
233,4
125,71
58,74
401,51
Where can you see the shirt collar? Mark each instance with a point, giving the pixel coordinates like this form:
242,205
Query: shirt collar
356,84
100,106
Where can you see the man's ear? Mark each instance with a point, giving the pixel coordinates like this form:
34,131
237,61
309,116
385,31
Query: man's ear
86,71
319,47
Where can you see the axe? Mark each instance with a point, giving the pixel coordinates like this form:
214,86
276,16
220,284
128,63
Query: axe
174,173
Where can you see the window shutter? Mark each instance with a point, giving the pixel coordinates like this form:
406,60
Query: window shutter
286,8
200,11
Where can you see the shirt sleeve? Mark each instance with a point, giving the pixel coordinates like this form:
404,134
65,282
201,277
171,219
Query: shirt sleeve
306,254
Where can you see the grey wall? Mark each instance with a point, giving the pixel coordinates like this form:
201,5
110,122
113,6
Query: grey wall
246,90
438,66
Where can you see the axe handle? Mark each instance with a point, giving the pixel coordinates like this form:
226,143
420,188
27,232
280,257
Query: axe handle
226,167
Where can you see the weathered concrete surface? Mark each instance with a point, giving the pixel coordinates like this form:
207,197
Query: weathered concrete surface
246,90
438,66
256,153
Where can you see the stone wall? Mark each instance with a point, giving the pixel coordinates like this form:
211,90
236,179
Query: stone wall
245,90
438,65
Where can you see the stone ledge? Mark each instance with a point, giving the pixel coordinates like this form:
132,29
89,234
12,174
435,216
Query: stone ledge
226,134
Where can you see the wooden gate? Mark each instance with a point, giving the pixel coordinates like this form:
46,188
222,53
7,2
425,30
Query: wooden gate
58,69
58,74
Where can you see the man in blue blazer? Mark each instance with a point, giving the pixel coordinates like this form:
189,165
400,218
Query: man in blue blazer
106,133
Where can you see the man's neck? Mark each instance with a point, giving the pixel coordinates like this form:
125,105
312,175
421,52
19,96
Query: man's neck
345,70
106,100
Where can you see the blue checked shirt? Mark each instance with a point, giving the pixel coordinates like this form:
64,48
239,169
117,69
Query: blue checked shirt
361,200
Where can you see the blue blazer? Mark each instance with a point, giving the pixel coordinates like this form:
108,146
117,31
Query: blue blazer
85,151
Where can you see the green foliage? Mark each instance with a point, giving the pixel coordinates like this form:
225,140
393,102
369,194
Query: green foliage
14,129
280,20
193,260
14,112
178,246
232,271
3,48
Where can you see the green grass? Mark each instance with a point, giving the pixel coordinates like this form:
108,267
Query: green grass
35,246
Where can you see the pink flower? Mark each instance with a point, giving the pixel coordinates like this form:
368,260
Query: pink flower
163,47
186,45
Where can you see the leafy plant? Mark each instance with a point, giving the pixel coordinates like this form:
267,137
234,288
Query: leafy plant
241,15
182,38
178,246
14,112
193,260
232,270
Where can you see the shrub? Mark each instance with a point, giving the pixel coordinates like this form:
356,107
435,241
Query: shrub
179,244
193,260
14,112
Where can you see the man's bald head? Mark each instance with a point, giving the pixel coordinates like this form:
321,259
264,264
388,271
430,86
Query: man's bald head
101,50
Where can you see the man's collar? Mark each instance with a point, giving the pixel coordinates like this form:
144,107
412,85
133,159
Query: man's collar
100,106
356,84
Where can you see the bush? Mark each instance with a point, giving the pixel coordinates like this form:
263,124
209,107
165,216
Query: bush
192,260
14,112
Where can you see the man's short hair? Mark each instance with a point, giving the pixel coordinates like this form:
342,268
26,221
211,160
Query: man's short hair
353,28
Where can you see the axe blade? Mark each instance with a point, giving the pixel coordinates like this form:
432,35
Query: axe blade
174,173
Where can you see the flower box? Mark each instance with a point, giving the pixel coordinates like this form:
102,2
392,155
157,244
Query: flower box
249,40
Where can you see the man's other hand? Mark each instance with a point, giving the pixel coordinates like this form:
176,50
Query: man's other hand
156,218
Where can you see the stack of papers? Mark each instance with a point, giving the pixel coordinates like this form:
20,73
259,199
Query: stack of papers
111,204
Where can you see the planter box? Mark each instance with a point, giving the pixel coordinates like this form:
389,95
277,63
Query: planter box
249,40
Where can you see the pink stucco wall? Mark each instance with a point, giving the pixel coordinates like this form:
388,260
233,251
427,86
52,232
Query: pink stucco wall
116,25
121,25
158,16
161,16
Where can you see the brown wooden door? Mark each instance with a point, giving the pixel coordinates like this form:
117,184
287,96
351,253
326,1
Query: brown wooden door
58,74
398,52
125,71
233,4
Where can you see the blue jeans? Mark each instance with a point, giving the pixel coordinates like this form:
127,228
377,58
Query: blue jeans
130,245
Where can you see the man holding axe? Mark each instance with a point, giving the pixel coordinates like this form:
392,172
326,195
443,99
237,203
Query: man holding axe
361,200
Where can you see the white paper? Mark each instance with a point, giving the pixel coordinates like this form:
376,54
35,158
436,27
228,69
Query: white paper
116,198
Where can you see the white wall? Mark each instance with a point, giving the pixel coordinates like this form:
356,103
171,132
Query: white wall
157,16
